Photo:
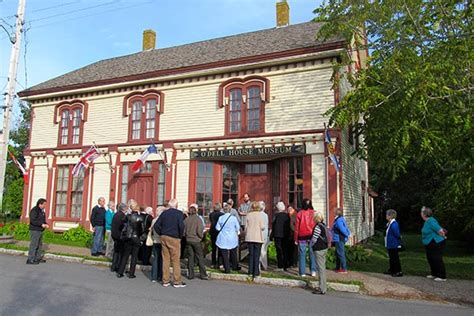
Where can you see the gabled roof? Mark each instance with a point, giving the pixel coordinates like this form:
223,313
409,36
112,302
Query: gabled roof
223,51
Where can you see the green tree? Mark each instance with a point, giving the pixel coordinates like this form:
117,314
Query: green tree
19,137
412,104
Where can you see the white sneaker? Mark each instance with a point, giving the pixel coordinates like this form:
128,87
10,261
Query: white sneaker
430,276
439,280
313,274
303,275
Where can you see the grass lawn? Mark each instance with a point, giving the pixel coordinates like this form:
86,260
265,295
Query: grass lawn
458,258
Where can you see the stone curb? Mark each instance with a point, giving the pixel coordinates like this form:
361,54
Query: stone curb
14,252
340,287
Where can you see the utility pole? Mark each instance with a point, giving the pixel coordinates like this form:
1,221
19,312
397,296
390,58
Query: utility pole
10,95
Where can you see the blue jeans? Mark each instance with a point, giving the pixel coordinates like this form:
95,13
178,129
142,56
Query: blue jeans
340,255
254,258
156,263
98,243
302,246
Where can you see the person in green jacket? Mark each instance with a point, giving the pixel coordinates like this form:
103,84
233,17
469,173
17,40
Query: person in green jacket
109,215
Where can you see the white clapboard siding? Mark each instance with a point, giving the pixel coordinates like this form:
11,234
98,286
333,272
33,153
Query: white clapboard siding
105,123
45,132
101,183
353,173
40,179
299,100
191,112
182,182
318,185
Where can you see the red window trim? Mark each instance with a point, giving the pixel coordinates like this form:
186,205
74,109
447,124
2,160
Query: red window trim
68,216
143,97
244,84
71,106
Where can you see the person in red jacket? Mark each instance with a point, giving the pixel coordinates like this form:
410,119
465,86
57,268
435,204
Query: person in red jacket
303,232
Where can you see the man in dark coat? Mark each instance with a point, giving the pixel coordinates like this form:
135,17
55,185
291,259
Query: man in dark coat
118,222
37,226
98,226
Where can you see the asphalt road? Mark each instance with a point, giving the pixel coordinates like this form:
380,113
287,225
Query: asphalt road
58,288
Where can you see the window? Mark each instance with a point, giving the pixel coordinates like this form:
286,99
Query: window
70,115
256,168
363,191
124,184
230,182
244,100
204,190
295,182
143,108
69,193
161,184
235,110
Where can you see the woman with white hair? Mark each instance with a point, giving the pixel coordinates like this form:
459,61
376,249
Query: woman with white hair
319,245
393,244
263,255
280,235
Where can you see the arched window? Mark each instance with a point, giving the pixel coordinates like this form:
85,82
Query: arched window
70,116
143,108
244,100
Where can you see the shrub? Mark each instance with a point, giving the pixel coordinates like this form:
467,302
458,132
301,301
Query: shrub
79,235
355,253
272,252
21,231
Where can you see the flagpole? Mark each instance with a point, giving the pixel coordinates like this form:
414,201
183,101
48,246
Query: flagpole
103,155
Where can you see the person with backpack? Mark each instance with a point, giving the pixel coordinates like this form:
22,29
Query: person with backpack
340,234
320,245
303,233
118,223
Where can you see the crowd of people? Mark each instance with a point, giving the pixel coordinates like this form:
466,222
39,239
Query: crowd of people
164,237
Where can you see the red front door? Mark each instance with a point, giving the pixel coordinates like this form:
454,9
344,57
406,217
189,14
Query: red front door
259,187
141,190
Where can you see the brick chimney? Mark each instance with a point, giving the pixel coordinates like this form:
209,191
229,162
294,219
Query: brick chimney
282,13
149,39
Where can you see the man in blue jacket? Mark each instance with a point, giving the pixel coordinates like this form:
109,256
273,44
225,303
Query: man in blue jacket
170,227
340,235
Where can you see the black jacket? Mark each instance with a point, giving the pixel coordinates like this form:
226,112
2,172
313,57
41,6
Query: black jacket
37,218
170,223
118,221
213,218
281,226
98,216
136,222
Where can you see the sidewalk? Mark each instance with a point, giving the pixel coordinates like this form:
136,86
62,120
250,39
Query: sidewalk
78,251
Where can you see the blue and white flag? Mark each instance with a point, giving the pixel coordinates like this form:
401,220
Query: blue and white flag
331,151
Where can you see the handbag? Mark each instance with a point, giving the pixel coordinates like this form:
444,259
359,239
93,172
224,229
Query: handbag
149,239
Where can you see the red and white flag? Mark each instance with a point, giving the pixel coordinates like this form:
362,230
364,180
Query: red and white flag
91,155
20,166
141,161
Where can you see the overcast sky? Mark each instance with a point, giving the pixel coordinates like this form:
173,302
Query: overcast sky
64,35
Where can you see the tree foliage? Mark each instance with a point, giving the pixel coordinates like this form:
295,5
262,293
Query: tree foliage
19,136
412,104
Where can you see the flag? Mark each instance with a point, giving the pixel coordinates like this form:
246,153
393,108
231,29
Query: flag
331,151
141,161
91,155
20,166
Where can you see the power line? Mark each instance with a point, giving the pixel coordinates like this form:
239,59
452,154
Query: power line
73,11
92,14
55,6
